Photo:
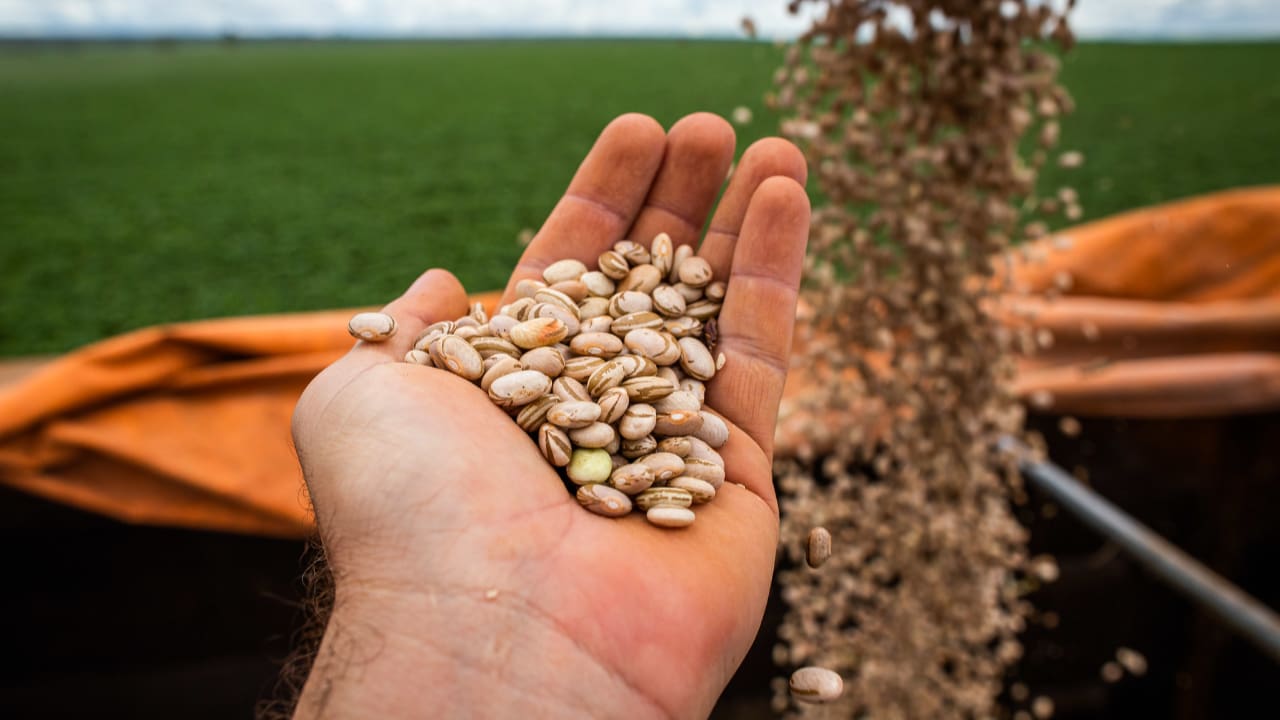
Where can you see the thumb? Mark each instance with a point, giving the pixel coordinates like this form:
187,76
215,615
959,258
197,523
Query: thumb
436,295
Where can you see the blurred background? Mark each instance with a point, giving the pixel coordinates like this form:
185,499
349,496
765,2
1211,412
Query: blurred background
166,161
171,161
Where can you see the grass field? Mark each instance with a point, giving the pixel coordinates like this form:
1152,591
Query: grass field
146,184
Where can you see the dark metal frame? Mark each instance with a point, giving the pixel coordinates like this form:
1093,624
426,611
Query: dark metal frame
1254,621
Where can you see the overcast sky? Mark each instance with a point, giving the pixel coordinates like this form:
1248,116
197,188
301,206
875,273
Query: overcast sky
1092,18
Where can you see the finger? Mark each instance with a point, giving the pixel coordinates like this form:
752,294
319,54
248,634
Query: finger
436,295
765,158
602,200
759,310
699,151
750,466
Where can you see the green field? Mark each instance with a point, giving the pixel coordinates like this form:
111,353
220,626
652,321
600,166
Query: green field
143,184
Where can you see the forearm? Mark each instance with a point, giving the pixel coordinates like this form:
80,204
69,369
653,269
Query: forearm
457,654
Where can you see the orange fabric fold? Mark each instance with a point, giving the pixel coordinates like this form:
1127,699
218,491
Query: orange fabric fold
186,424
1222,246
1173,311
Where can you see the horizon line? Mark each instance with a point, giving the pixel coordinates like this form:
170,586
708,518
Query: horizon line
516,34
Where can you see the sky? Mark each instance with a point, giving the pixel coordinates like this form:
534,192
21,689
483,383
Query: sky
694,18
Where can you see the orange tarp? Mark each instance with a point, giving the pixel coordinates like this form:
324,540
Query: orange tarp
1173,311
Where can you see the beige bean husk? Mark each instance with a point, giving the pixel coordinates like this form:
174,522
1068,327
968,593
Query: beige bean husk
372,327
668,516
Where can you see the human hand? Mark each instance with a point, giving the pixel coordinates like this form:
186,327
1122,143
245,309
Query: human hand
468,581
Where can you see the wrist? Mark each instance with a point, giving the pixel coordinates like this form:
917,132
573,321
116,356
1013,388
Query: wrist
458,653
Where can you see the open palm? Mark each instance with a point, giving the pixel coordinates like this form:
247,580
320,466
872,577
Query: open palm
427,493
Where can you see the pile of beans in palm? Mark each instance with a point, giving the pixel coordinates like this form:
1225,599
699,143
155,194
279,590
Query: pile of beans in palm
606,369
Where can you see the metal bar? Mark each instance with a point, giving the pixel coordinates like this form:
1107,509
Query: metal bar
1254,621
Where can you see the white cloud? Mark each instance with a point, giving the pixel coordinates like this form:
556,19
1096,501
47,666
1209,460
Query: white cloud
1092,18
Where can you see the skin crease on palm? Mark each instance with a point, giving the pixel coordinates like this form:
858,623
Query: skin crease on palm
469,583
